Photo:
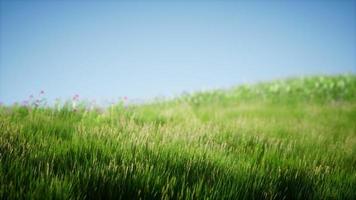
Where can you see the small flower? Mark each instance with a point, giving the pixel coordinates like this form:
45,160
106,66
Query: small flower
25,103
31,96
36,103
75,97
42,92
126,98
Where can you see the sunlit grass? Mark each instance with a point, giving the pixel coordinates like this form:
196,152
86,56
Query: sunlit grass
287,139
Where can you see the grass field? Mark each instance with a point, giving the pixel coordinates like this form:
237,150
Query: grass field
285,139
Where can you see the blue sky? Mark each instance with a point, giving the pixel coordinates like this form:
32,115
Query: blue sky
108,49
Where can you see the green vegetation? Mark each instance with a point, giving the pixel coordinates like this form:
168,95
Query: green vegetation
287,139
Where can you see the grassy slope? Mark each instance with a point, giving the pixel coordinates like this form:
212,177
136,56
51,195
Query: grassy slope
293,139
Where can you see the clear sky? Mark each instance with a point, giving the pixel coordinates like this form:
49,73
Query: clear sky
108,49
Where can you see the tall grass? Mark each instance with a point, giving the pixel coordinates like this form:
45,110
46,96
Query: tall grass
286,139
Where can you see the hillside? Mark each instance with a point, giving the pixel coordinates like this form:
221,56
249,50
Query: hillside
284,139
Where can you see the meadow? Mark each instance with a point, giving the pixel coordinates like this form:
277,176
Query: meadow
285,139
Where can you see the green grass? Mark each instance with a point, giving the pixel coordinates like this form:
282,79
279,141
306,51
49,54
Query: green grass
286,139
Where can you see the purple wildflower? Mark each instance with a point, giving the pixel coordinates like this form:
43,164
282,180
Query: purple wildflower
75,97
